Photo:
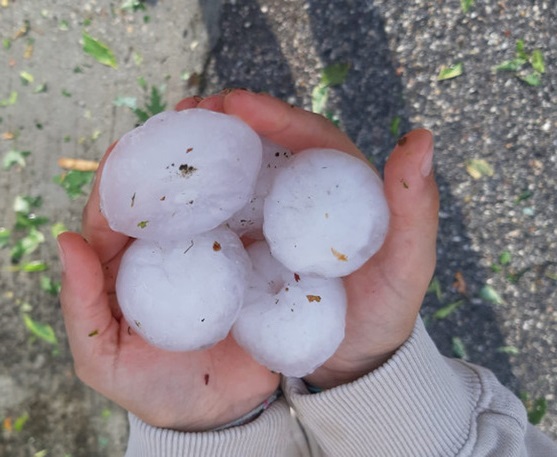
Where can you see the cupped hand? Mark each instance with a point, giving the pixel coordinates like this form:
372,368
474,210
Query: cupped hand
190,391
384,295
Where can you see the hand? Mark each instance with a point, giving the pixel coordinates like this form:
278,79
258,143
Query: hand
190,391
385,295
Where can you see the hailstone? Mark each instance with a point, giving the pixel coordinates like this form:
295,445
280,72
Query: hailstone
185,295
289,323
180,174
325,214
249,220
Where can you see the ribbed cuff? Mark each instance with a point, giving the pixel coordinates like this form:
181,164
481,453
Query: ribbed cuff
418,403
265,436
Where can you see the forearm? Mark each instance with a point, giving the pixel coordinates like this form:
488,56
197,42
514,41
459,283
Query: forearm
418,403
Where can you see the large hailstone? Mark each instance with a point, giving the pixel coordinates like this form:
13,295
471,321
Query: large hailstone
180,174
183,296
326,213
289,323
249,220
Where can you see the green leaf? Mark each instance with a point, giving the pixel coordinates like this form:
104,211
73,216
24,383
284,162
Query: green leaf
50,286
13,158
488,293
505,258
73,182
537,62
42,331
155,104
33,266
395,126
142,82
536,409
20,422
24,204
459,349
6,43
11,100
477,168
57,228
319,98
98,50
450,72
133,5
532,79
26,245
26,78
41,88
435,287
444,312
520,50
511,65
334,74
465,5
128,102
4,237
511,350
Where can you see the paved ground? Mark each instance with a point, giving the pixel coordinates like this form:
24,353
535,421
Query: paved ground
496,230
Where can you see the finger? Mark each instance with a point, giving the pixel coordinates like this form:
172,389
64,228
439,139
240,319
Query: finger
214,102
91,328
188,103
94,226
285,124
409,251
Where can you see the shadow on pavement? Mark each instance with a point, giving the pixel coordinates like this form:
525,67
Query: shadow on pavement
249,55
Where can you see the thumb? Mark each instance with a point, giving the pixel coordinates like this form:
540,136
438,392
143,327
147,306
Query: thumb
413,200
85,307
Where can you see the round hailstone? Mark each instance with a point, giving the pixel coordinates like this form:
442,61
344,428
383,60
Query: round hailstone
180,174
289,323
183,296
249,220
326,213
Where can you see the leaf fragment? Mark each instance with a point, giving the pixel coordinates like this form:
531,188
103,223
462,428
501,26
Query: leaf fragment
537,61
42,331
465,5
339,255
451,72
14,158
478,168
459,350
489,294
447,310
98,50
73,182
312,298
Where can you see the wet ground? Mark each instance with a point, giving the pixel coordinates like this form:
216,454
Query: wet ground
494,298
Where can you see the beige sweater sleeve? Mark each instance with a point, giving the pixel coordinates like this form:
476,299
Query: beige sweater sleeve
419,404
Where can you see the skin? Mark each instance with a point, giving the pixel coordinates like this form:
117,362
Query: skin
201,390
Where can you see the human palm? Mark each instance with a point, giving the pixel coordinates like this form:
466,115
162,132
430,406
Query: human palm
192,391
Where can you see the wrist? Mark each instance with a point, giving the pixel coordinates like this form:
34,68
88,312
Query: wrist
338,373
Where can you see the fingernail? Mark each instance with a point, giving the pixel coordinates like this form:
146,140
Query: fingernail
427,160
61,255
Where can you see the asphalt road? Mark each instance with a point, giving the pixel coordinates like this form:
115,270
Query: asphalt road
497,230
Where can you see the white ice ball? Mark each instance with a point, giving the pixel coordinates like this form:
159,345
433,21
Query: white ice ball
183,296
289,323
249,220
326,213
179,174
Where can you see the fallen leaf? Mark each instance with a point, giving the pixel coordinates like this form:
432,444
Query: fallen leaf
99,51
477,168
459,283
450,72
340,256
77,164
